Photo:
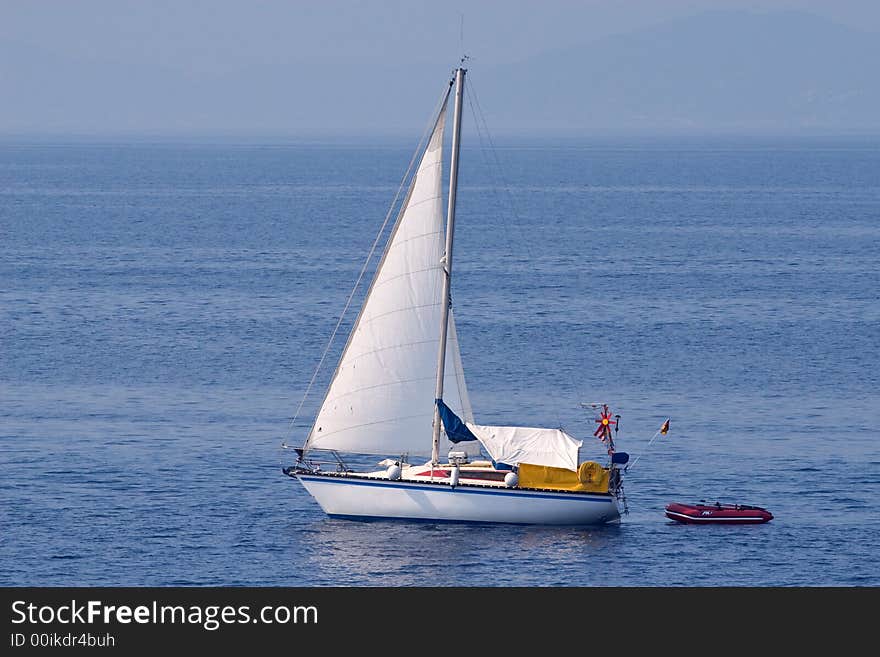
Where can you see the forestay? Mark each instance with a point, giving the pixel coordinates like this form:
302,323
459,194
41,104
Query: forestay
381,398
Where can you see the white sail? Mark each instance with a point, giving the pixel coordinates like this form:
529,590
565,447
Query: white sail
514,445
381,399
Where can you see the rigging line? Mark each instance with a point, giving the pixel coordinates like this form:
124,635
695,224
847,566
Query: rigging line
500,181
403,184
498,171
494,168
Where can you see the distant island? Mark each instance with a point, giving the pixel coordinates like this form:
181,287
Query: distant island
715,72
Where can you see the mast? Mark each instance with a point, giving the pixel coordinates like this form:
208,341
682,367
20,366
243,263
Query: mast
447,259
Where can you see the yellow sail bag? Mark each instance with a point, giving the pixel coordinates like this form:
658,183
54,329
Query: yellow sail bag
590,477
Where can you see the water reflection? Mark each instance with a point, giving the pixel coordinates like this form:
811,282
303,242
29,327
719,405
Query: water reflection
392,553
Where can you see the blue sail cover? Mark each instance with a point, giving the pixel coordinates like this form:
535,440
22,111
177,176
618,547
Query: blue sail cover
456,430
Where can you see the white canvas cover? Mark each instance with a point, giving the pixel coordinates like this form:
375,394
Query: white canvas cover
381,398
513,445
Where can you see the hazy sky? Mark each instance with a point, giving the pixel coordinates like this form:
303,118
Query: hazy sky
288,67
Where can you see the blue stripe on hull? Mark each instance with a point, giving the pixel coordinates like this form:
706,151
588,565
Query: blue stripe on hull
445,488
449,521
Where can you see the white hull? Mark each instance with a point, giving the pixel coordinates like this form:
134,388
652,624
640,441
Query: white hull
376,498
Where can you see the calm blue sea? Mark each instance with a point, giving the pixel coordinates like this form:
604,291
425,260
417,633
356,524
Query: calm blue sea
163,306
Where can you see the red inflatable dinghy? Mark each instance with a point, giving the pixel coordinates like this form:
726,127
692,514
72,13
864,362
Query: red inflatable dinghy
726,514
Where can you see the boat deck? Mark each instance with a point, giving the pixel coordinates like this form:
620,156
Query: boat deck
477,474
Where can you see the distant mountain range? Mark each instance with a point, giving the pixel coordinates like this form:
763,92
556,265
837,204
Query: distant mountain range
732,72
716,72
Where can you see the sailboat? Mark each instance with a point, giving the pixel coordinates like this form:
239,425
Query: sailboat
399,391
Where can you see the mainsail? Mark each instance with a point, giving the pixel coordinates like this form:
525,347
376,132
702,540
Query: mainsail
381,398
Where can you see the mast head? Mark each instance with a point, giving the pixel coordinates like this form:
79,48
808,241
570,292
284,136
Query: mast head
460,67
